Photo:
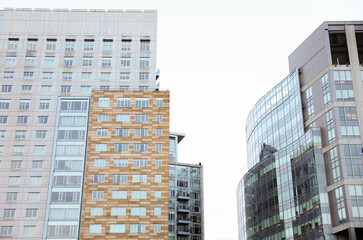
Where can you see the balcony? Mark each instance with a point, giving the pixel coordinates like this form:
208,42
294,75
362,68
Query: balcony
183,230
183,196
183,208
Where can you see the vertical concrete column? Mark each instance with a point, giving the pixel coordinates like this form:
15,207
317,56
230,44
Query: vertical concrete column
351,233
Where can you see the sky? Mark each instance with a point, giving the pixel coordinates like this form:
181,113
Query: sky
218,58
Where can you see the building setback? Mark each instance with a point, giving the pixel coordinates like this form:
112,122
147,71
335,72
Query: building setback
84,129
304,142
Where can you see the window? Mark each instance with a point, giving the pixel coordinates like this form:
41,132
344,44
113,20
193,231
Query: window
141,132
33,196
96,211
22,120
116,194
103,102
101,131
120,162
95,228
121,147
125,62
157,194
343,85
87,61
137,228
18,149
32,44
122,132
349,122
4,104
118,211
140,162
99,178
123,102
159,132
2,133
44,104
159,102
86,76
140,147
47,75
29,230
43,119
97,194
138,211
20,134
67,75
13,44
49,61
104,88
6,230
143,76
157,211
36,164
158,178
68,61
85,89
3,119
28,75
14,180
101,147
159,117
326,91
105,75
141,117
31,212
309,102
46,88
100,162
106,62
144,45
11,196
126,45
158,162
8,75
144,62
123,118
1,151
29,61
158,147
139,178
26,88
102,117
24,104
157,228
142,102
88,45
39,149
107,45
120,178
138,195
66,89
9,213
10,61
51,44
70,44
35,180
125,76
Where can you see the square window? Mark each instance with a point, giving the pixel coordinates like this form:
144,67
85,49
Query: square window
143,76
51,44
40,134
36,164
144,62
24,104
39,149
49,61
97,194
126,45
159,132
70,44
10,61
99,178
67,76
103,102
125,76
96,211
31,212
13,44
32,44
105,75
100,162
35,180
33,196
3,119
18,149
88,45
47,75
144,45
157,228
107,45
4,104
85,89
106,62
68,61
29,61
87,62
42,119
158,162
66,89
125,62
159,117
102,132
44,104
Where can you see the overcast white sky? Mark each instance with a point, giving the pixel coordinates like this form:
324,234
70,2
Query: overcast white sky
218,58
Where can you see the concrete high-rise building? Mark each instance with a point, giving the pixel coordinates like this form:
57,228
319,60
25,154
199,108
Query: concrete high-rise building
84,129
304,144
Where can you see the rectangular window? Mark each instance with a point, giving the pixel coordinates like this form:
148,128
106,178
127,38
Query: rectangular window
67,76
144,45
18,149
86,76
14,180
139,178
140,147
330,126
144,62
85,89
68,61
100,162
26,88
102,117
107,45
117,228
143,88
138,211
22,120
9,213
123,102
35,180
11,196
97,194
43,119
141,132
3,119
158,178
159,102
122,132
143,76
121,147
101,147
87,62
120,162
6,230
105,75
325,88
118,211
157,211
36,164
49,61
16,164
88,45
66,89
46,88
8,75
142,102
116,194
137,228
95,228
104,88
10,61
4,104
32,44
157,228
159,132
20,134
349,122
158,147
103,102
13,43
2,133
106,62
29,61
96,211
123,118
343,85
51,44
125,62
70,44
138,195
157,194
140,162
120,178
101,131
44,104
125,76
47,75
28,75
99,178
39,149
24,104
159,117
141,117
33,196
126,45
